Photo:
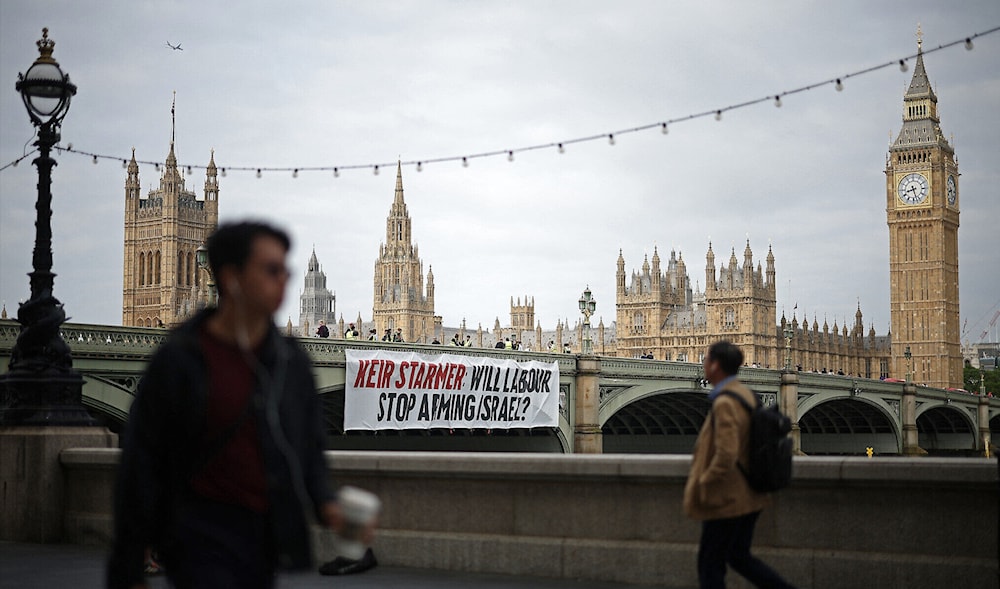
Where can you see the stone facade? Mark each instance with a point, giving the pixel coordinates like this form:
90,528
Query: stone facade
161,281
316,302
659,313
401,303
922,210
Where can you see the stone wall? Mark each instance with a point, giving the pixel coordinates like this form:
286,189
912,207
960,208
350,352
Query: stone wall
845,522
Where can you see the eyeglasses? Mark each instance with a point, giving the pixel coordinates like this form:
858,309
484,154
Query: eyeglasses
274,269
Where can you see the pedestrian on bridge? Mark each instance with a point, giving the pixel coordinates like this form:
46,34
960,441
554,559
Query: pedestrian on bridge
222,455
717,492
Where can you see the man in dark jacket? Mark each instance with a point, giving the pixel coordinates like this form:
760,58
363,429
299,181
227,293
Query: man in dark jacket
223,452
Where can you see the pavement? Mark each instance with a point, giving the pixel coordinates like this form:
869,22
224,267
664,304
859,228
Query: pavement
57,566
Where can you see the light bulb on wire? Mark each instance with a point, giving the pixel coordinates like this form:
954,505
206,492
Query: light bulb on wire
95,160
295,173
839,85
777,101
611,138
223,172
664,129
902,65
420,167
510,156
336,173
258,172
561,148
718,115
968,44
375,170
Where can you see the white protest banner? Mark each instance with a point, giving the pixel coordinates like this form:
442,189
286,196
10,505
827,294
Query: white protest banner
409,390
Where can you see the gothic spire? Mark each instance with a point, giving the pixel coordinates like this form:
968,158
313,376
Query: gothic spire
313,261
171,158
920,86
399,183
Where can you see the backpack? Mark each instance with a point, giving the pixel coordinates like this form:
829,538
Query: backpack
770,467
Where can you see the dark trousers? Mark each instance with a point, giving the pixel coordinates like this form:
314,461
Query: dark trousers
727,541
219,546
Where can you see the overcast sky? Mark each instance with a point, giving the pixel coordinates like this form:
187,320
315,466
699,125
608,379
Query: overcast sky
302,84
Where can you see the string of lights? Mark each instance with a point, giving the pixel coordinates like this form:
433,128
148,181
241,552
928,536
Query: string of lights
664,126
13,164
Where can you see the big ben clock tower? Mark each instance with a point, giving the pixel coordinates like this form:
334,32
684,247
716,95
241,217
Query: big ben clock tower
922,200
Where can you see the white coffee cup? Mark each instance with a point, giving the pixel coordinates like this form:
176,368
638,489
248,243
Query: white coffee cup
359,508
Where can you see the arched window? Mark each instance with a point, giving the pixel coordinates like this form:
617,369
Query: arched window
730,318
156,268
638,322
141,270
180,268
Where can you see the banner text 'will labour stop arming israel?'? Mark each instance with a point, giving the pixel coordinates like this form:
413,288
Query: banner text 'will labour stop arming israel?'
408,390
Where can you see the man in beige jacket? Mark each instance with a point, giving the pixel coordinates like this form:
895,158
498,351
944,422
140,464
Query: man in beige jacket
717,493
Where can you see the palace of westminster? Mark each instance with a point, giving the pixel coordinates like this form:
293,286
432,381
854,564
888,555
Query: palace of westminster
657,311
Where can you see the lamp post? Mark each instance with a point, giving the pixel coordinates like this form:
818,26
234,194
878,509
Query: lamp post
41,387
587,306
201,258
909,369
788,347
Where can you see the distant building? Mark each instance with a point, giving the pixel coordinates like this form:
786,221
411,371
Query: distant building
659,313
161,281
316,303
401,303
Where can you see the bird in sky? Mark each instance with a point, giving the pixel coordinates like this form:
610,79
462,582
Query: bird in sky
175,47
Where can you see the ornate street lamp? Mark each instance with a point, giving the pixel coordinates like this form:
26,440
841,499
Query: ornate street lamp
909,368
41,387
587,306
788,333
201,258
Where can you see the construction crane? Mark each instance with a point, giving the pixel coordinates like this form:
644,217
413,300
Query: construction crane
982,336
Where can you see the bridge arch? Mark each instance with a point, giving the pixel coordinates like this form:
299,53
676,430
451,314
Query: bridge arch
108,399
848,425
654,421
945,428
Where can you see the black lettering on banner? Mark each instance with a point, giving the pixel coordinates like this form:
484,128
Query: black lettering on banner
404,405
424,413
381,407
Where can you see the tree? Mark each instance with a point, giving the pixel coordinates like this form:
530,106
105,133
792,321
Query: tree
971,376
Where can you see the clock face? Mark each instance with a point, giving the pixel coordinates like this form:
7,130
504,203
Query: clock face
913,189
952,190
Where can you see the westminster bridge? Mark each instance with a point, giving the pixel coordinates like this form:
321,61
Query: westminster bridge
606,404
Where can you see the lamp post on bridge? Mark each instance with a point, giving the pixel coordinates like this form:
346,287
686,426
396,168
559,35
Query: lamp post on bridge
909,364
201,258
41,387
788,347
587,306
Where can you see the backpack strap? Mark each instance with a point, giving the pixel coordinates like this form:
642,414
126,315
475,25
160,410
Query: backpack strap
741,399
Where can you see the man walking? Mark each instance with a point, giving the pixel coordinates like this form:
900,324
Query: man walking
223,451
717,492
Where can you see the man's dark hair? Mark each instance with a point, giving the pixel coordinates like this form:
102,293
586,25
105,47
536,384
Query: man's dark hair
230,244
728,355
